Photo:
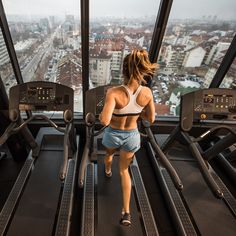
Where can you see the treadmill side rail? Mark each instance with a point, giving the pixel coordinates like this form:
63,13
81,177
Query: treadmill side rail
145,208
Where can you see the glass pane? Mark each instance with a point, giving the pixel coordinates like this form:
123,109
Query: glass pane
197,37
46,37
6,71
229,80
117,27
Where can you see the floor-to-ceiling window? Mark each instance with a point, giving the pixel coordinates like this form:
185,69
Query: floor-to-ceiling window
197,37
116,28
47,41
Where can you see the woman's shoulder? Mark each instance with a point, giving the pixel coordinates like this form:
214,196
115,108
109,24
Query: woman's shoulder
145,93
114,90
146,90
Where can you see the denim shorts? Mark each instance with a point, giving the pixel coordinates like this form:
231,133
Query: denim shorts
127,140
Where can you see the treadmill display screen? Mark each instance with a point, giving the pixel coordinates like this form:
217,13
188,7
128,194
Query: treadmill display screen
214,103
208,99
41,94
208,105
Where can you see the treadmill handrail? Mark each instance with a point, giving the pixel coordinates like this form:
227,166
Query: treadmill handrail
90,120
98,132
7,133
85,159
202,166
53,124
166,163
90,134
11,129
210,131
65,152
220,145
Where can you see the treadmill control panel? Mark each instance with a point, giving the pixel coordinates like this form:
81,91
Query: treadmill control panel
95,99
214,104
42,96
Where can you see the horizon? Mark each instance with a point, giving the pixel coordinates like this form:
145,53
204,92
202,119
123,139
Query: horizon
40,16
181,9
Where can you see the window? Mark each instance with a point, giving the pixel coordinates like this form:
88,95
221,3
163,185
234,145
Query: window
197,37
46,38
117,27
47,41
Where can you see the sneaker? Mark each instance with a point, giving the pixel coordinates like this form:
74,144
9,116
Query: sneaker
126,219
109,174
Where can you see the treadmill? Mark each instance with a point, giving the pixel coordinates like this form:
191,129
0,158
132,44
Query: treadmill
209,204
102,200
41,200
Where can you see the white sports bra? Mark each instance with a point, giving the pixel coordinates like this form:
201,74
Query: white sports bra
132,108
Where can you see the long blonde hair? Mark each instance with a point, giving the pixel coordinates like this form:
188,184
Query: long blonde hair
136,65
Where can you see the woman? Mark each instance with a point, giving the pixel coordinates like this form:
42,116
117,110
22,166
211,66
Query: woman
123,106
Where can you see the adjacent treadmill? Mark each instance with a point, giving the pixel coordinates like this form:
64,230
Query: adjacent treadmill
210,206
102,199
41,200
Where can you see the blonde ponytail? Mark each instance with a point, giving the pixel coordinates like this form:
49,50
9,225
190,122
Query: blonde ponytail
137,65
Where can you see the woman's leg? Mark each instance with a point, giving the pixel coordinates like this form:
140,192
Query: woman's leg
125,160
108,159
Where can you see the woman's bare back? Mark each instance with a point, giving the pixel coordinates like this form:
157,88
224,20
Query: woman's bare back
122,99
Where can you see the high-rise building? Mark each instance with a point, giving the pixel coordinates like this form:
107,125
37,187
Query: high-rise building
100,68
4,58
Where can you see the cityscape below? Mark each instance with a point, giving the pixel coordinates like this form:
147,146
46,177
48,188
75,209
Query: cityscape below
49,49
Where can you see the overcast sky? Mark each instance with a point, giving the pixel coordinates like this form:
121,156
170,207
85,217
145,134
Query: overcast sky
223,9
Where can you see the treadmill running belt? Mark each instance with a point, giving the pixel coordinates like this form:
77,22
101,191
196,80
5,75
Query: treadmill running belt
109,204
212,216
37,208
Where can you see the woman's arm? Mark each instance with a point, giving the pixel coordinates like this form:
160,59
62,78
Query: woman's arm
109,105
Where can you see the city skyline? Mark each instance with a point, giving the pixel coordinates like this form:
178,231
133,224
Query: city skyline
181,9
189,57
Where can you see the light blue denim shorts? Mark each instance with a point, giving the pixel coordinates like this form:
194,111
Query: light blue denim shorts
127,140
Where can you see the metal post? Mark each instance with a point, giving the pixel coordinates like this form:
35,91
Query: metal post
85,48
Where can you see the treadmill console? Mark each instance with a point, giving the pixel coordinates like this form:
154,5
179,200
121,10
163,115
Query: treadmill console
95,99
41,96
215,104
